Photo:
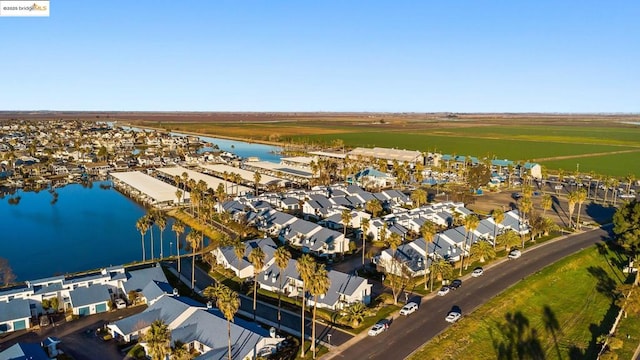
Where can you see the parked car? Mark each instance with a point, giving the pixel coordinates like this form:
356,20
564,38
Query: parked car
380,327
514,254
453,316
455,284
120,304
409,308
477,272
443,291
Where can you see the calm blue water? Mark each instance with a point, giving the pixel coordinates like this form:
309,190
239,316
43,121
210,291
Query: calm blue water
86,228
244,149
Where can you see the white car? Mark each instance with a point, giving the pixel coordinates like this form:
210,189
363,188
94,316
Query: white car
477,272
453,317
409,308
627,196
377,329
444,291
120,304
514,254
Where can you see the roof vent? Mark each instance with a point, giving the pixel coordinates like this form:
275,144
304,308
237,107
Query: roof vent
175,292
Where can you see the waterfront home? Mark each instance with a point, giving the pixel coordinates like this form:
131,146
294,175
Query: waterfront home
344,290
90,300
200,328
313,238
243,268
372,178
15,314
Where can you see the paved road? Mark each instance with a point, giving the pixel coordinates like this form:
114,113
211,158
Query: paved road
407,334
268,312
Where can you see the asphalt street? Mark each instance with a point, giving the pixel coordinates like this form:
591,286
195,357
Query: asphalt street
407,334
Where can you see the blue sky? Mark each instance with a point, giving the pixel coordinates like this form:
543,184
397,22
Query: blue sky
344,55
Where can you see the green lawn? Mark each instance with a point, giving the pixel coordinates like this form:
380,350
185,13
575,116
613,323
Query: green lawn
614,165
629,135
513,149
556,313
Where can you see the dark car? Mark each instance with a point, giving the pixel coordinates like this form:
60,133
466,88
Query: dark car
455,284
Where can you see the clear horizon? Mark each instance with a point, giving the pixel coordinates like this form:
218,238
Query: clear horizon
374,56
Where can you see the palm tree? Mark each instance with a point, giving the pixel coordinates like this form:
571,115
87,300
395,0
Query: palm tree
142,225
178,196
526,205
178,228
150,217
442,268
306,266
193,238
318,286
509,239
498,218
256,257
179,351
572,198
345,218
482,250
419,196
394,241
229,303
428,231
161,221
365,228
630,178
354,314
581,196
157,338
256,180
547,203
470,224
373,206
282,257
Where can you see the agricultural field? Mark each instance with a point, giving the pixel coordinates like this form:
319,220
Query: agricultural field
556,313
504,148
618,165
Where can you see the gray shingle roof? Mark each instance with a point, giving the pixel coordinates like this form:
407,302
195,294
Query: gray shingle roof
138,279
93,294
14,309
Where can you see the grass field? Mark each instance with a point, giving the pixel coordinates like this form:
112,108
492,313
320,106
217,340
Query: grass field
502,148
614,165
629,135
556,313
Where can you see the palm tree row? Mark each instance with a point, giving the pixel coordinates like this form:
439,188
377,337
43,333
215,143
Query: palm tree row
146,223
315,280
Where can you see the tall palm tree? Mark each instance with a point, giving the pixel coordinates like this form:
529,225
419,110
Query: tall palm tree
161,221
365,228
547,203
498,218
157,338
256,180
282,257
525,207
256,257
581,196
509,239
142,225
228,302
178,228
572,199
178,196
394,241
151,220
470,224
345,219
305,266
318,286
442,268
428,231
193,238
419,196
